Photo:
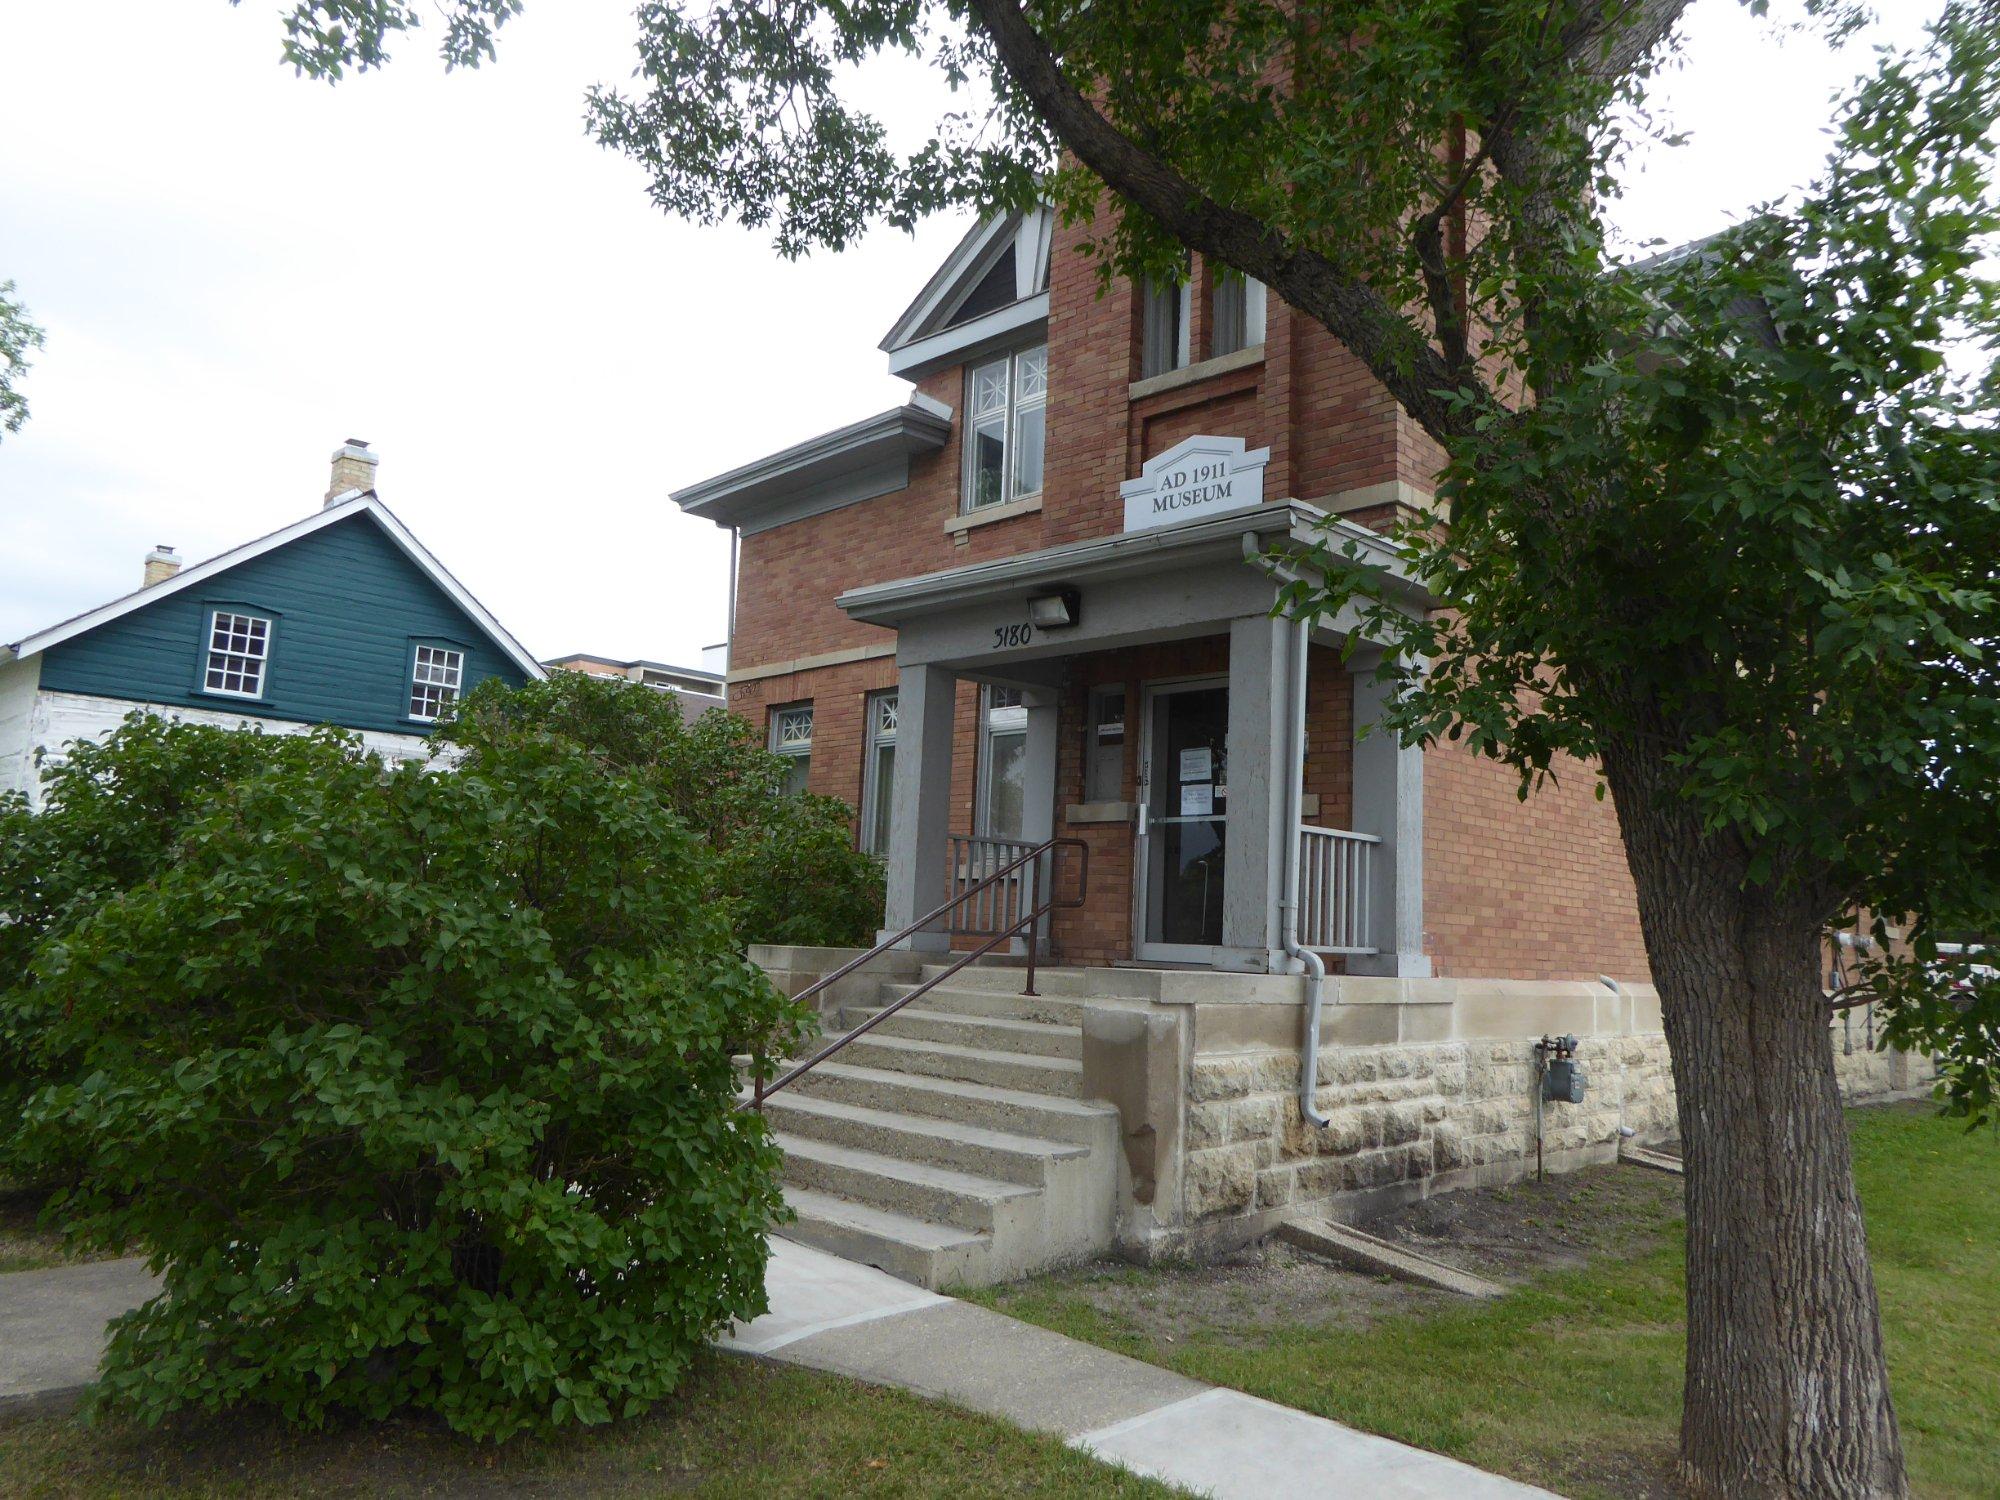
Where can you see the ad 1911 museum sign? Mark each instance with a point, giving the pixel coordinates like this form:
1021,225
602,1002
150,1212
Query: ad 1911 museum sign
1196,478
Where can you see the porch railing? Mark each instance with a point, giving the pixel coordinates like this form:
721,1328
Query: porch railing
1041,899
1336,874
997,880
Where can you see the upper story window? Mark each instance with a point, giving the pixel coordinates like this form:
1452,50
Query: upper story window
1006,423
792,737
436,676
239,649
1165,332
1236,319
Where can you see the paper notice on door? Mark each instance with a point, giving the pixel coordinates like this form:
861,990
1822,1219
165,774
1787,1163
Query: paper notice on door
1198,764
1197,799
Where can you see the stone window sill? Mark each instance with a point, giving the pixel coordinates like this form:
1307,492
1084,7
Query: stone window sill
986,515
1173,380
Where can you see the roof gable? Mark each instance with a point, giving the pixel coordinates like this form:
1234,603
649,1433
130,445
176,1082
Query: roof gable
972,287
355,504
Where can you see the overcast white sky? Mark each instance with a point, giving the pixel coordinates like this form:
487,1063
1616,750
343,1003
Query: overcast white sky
237,269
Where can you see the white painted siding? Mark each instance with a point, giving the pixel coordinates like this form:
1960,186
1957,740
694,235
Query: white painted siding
18,682
56,719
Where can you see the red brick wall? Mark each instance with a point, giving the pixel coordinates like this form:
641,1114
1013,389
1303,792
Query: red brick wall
1534,890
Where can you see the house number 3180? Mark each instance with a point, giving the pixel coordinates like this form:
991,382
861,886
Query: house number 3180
1012,635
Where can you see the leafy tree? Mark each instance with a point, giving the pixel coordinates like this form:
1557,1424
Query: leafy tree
418,1087
17,336
784,867
1737,550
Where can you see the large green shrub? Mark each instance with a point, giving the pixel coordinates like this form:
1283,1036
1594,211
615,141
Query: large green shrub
786,869
116,814
417,1086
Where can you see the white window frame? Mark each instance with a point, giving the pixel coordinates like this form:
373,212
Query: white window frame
243,650
785,740
1094,734
443,674
1020,369
1229,283
881,733
1006,716
1179,299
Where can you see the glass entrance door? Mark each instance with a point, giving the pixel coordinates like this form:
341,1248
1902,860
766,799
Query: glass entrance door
1183,812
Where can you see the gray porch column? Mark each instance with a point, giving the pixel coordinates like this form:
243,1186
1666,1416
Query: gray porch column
1260,655
1389,803
920,802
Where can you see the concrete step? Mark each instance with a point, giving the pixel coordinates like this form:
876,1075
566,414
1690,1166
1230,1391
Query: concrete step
1009,980
1058,1077
1016,1111
931,1255
994,1033
1053,1009
1005,1156
937,1195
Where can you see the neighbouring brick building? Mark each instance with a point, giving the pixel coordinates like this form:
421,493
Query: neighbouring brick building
885,633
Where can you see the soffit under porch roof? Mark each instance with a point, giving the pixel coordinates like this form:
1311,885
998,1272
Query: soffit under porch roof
1146,585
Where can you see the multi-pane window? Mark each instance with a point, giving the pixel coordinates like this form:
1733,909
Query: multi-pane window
1164,334
792,737
1003,764
1237,316
435,679
239,647
1007,417
879,774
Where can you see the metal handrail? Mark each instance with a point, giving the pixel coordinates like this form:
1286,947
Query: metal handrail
760,1091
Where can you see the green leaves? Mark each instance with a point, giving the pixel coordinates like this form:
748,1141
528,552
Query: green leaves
18,335
418,1085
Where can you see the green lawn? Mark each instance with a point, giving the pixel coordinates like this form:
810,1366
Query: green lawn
737,1428
1574,1381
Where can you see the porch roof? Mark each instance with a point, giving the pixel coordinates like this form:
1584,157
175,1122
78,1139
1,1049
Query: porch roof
1216,538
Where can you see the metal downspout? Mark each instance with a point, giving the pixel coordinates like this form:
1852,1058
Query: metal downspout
1288,900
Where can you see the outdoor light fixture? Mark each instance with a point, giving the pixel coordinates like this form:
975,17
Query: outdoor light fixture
1056,610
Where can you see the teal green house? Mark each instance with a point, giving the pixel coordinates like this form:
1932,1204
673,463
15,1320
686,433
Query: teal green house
341,618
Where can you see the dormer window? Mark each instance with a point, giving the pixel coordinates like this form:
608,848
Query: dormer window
239,647
1006,403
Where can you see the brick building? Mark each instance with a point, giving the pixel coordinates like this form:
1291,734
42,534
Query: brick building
1314,971
1027,604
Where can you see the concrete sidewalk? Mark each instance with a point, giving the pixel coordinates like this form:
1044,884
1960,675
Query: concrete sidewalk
831,1314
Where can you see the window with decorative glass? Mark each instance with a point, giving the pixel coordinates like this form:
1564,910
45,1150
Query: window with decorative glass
435,680
1006,402
792,737
239,647
879,774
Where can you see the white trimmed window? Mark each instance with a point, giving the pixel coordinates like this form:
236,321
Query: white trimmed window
792,737
1236,319
879,774
1006,402
435,680
1165,327
1003,764
239,648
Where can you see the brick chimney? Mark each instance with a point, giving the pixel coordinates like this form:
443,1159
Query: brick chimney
353,469
161,564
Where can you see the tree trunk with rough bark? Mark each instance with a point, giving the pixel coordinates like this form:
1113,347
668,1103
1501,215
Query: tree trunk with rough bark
1787,1382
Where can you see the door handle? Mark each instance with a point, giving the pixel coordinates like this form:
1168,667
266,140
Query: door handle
1145,818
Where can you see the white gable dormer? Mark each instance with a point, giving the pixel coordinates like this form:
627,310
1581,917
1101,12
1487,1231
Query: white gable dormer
993,288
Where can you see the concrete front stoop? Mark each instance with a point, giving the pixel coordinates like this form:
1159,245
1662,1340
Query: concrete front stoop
949,1145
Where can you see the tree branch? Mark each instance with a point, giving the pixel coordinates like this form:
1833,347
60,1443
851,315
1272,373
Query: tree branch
1389,343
